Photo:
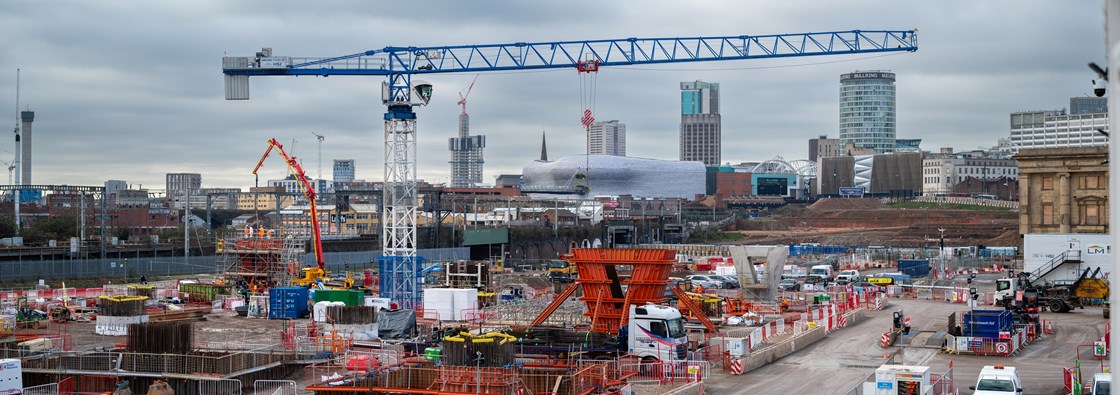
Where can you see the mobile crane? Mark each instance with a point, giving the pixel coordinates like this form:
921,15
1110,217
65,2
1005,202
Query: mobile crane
310,276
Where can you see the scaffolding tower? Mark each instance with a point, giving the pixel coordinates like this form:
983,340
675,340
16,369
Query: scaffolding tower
262,257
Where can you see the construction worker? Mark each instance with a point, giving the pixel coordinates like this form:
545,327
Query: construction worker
699,289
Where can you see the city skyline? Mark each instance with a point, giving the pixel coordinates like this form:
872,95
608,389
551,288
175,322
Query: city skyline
132,92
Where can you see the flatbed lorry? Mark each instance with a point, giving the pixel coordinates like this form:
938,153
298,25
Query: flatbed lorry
652,333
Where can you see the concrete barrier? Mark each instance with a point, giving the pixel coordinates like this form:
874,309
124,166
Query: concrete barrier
764,356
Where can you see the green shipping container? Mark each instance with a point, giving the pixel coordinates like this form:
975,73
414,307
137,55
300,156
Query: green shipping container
203,292
347,296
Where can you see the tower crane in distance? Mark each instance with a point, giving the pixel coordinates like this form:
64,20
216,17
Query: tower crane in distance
399,265
318,274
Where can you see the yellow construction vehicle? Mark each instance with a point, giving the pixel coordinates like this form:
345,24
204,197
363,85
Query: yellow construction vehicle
562,271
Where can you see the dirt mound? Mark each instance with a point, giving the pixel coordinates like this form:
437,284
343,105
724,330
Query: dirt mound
831,204
1010,238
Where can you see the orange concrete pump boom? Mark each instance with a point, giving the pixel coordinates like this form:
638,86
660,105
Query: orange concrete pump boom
308,192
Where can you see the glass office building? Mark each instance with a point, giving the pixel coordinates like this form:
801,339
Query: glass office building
700,123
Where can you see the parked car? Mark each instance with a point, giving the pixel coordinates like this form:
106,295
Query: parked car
847,276
789,284
729,282
704,280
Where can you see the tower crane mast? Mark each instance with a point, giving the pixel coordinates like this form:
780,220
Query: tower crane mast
400,267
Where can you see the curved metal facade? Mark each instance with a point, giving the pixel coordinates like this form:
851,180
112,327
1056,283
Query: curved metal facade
614,175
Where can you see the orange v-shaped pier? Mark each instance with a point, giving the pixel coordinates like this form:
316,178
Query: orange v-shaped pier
602,275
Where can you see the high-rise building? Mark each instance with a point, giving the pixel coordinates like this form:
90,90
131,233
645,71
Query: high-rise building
823,147
343,170
466,153
25,163
867,110
607,138
1056,129
1087,105
182,182
181,186
700,123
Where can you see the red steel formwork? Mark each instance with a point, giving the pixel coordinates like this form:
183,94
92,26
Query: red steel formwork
607,304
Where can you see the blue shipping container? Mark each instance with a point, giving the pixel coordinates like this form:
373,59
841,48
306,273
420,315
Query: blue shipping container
987,321
983,334
287,302
914,267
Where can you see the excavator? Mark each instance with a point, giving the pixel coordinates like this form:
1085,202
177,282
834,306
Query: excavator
316,276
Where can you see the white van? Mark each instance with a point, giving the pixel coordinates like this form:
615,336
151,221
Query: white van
998,380
823,271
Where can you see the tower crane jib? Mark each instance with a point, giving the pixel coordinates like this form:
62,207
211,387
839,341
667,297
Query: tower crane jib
399,64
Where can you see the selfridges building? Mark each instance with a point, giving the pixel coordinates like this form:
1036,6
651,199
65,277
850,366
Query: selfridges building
584,176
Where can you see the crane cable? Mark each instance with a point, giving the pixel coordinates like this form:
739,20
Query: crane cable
587,70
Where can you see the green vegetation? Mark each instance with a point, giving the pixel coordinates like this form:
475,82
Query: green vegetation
911,204
714,237
56,227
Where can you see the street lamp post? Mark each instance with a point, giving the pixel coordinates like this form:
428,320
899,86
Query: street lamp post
941,253
834,184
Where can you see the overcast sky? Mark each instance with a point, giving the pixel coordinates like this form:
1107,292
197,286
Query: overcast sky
132,90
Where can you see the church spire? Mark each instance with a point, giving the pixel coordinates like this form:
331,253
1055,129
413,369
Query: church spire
544,147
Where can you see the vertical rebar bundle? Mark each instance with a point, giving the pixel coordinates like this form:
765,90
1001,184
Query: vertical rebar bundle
347,315
122,306
489,350
176,337
141,290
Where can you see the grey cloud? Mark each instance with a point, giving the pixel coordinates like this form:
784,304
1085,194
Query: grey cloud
132,90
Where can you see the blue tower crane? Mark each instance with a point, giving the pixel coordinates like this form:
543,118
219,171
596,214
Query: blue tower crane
399,266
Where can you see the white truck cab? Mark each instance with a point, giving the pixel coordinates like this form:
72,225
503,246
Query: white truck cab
1102,384
998,380
656,332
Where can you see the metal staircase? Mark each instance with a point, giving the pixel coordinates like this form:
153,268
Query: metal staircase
1069,256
